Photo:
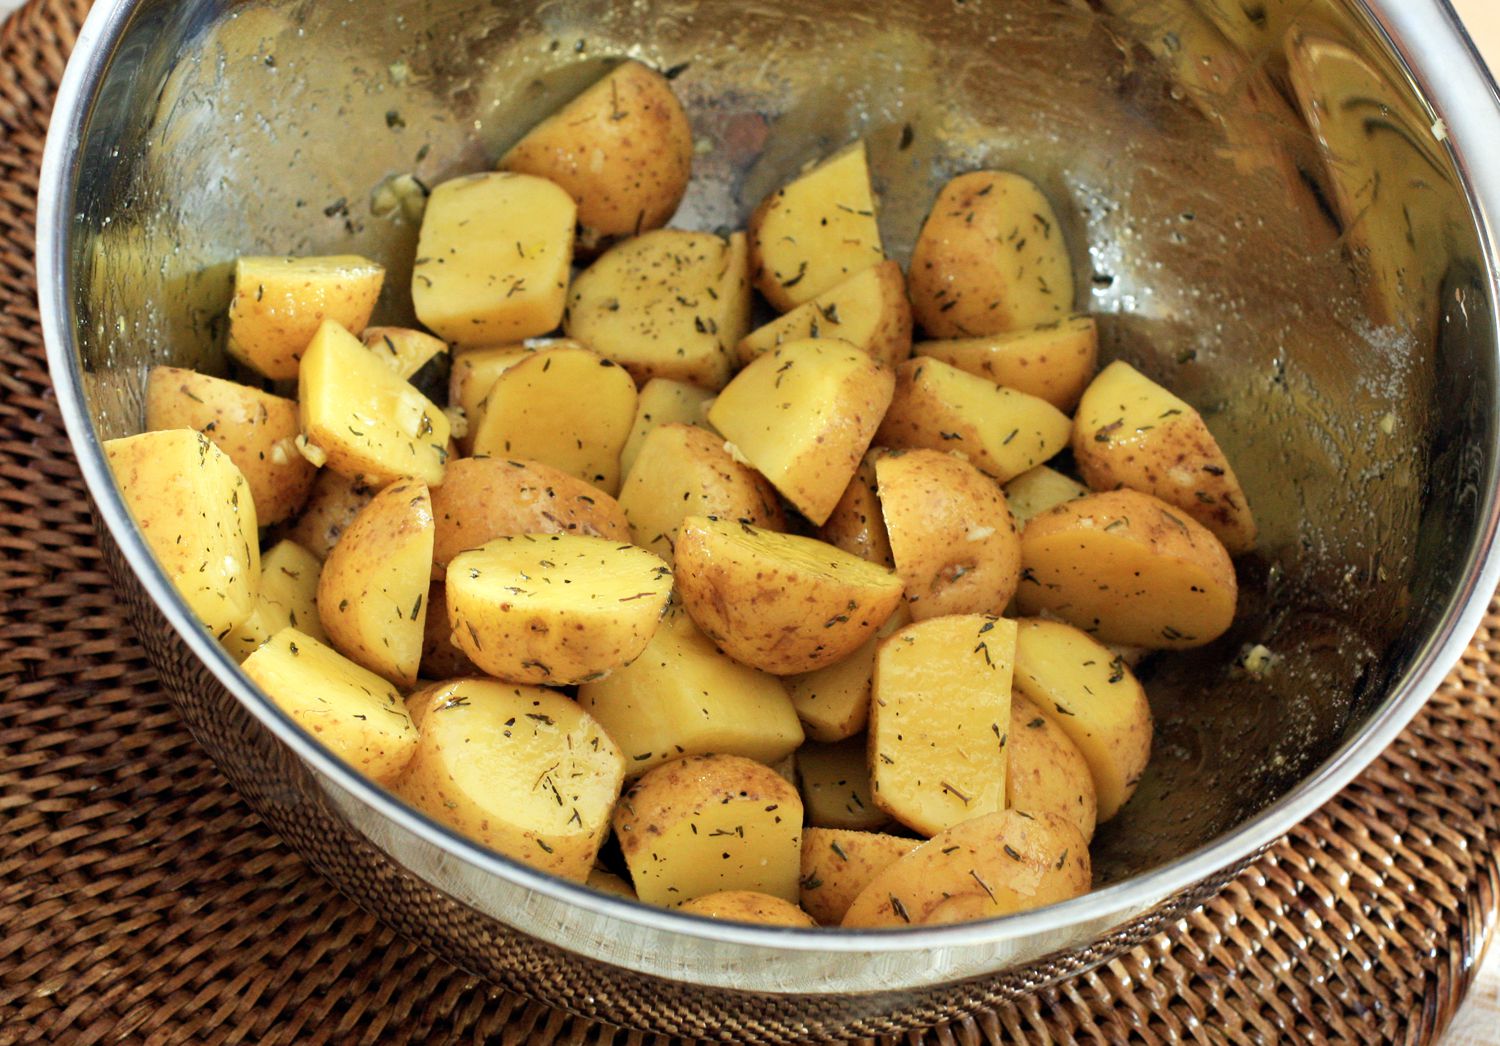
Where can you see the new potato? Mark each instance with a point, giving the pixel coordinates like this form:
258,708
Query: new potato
1054,362
279,304
663,401
856,524
1037,490
1046,773
838,864
331,506
869,310
748,906
288,598
835,785
834,702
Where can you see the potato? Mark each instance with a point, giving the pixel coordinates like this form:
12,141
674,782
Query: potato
1093,698
556,609
195,512
520,769
565,407
817,231
486,498
369,422
372,596
856,524
623,149
703,824
834,702
288,597
1054,362
1003,432
663,401
956,547
441,657
684,471
1045,772
869,310
474,373
1133,433
990,258
998,864
778,602
609,882
838,864
803,416
1127,568
493,258
939,712
403,350
256,429
683,697
835,782
354,713
334,502
747,906
279,304
669,304
1037,490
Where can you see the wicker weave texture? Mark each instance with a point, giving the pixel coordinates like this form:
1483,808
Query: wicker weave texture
141,901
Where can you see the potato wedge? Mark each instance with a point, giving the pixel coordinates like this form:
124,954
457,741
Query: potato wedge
288,598
668,304
1038,490
279,304
685,471
780,603
1054,362
990,258
834,702
441,657
939,712
372,595
747,906
623,149
1133,433
555,609
838,864
1128,568
402,349
354,713
1046,773
869,310
474,373
369,422
195,511
835,785
1093,698
955,545
520,769
702,824
334,502
663,401
856,524
1002,431
998,864
803,416
256,429
817,231
493,258
568,408
683,697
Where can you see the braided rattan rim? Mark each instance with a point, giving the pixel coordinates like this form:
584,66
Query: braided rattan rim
141,901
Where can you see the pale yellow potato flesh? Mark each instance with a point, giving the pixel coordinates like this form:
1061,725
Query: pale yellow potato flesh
1054,362
869,310
838,864
704,824
683,697
856,524
834,702
1129,569
803,416
520,769
475,370
816,231
1093,698
195,512
354,713
288,598
402,349
1046,773
939,712
1131,432
278,304
1003,432
835,785
1038,490
334,502
493,258
748,906
662,401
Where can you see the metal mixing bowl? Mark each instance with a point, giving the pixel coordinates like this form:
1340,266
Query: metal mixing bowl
1280,208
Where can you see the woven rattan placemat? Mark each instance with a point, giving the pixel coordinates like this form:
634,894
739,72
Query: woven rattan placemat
142,902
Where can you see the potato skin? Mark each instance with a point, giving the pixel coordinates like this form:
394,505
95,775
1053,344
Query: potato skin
1054,362
869,310
837,864
441,657
1046,773
331,506
856,524
747,906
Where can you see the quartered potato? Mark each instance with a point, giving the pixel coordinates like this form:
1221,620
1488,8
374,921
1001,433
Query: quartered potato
402,349
279,304
838,864
835,784
334,502
1128,568
1046,773
1054,362
663,401
990,258
782,603
493,258
856,524
803,417
869,310
441,657
705,824
474,372
357,715
1037,490
520,769
834,702
288,598
817,231
195,511
1133,433
748,906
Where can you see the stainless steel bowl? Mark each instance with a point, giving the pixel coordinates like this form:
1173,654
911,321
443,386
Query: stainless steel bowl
1281,208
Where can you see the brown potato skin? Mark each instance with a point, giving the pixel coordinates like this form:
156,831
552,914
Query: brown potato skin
856,524
1046,773
747,906
331,506
839,863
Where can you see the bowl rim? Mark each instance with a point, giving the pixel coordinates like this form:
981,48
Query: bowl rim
1463,99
